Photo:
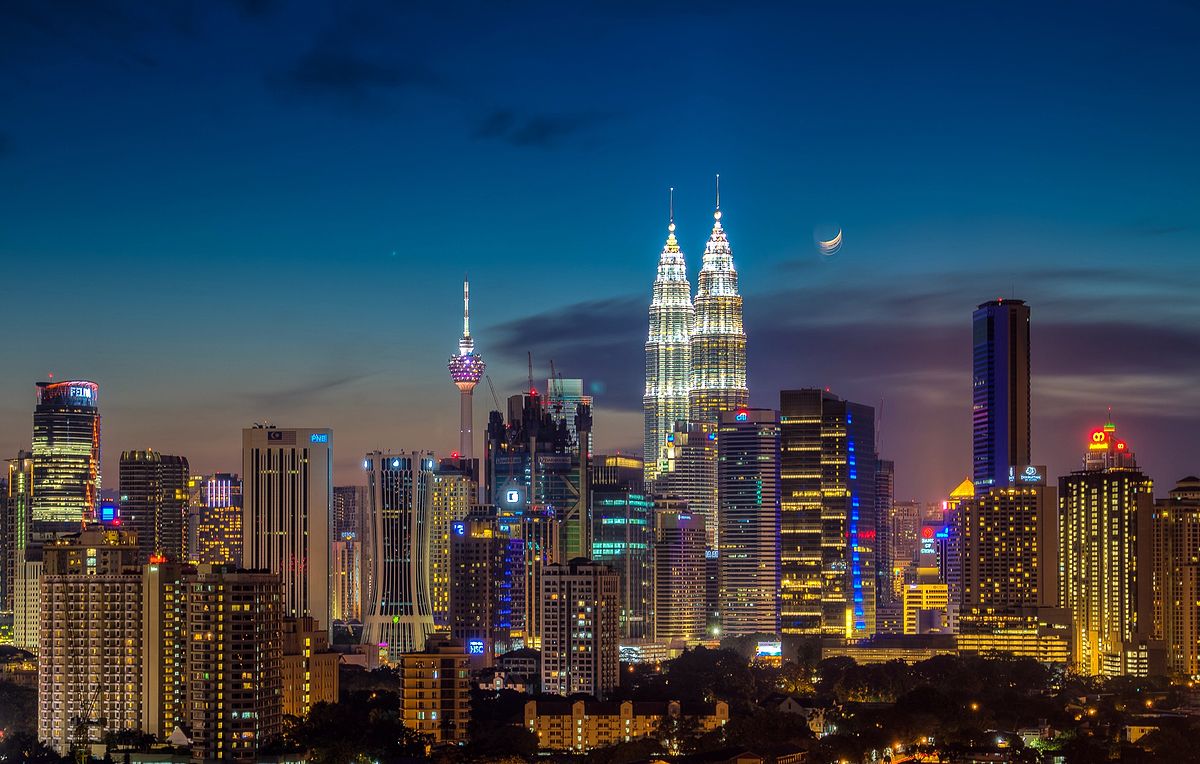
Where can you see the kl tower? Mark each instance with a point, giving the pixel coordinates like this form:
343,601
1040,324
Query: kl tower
466,369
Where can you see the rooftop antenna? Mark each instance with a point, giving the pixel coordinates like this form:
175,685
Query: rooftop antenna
671,206
532,389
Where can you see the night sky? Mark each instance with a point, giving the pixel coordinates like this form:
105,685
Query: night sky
235,212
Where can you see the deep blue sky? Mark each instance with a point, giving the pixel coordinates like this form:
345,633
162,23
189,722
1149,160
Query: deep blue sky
245,211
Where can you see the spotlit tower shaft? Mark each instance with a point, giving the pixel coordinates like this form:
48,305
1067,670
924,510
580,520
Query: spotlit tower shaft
466,369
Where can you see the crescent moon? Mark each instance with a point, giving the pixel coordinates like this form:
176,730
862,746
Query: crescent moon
832,246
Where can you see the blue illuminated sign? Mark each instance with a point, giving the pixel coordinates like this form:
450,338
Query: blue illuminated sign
742,416
460,529
474,647
319,437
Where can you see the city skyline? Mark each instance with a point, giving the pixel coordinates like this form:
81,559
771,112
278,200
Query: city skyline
221,226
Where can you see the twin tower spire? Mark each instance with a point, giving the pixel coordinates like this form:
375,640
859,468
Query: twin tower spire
696,350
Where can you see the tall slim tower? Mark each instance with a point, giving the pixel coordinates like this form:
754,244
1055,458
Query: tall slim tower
718,342
668,352
466,369
1000,390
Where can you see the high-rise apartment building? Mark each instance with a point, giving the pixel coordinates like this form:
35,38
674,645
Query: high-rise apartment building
435,691
466,369
287,481
234,660
718,341
217,506
90,657
1000,390
951,546
66,451
399,608
748,495
1175,591
454,491
486,566
580,628
828,522
308,668
1105,516
679,577
668,354
154,502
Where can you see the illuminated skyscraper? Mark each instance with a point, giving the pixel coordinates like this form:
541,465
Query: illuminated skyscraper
345,574
718,341
1176,582
466,369
564,397
349,505
668,353
486,566
454,491
1105,516
691,472
623,539
217,500
66,452
154,502
748,488
828,535
287,491
679,577
1000,389
580,630
396,535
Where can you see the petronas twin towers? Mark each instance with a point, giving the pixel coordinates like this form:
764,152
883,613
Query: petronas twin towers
696,350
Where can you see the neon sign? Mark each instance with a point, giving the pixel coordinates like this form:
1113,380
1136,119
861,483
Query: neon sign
459,528
742,416
319,437
474,647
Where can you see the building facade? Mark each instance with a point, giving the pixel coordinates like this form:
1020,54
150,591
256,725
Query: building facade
668,355
435,691
581,726
623,539
66,451
580,628
345,578
287,476
454,491
1175,542
486,567
1000,390
154,502
90,656
217,505
679,577
748,490
399,606
829,536
308,668
1105,516
234,659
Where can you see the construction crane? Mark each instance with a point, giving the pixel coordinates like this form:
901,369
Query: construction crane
492,387
555,391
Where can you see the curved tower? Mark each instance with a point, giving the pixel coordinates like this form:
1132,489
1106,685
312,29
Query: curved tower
718,341
466,369
668,351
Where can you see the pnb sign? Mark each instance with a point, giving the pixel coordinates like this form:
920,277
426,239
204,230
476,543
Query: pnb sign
1031,474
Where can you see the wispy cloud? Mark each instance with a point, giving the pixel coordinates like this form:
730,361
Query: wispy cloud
356,77
542,131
